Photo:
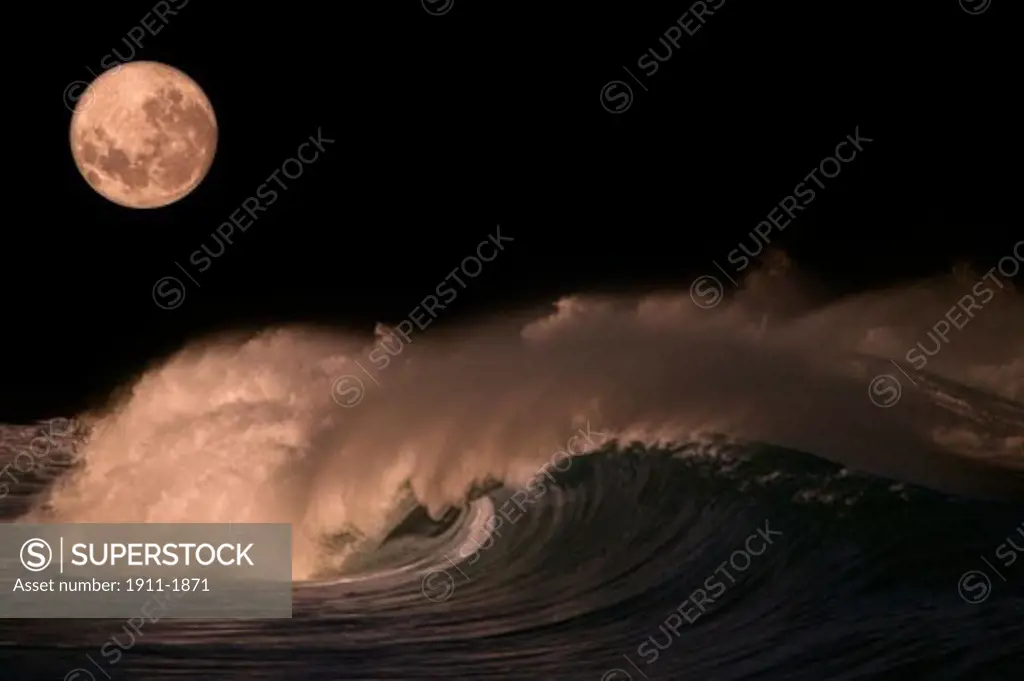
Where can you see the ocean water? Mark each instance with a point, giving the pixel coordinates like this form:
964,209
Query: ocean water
609,489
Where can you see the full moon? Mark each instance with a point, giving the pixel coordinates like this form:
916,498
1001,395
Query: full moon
143,135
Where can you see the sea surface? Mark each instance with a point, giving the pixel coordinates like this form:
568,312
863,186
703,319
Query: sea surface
691,562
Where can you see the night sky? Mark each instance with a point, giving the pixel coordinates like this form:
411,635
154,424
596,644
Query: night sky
451,118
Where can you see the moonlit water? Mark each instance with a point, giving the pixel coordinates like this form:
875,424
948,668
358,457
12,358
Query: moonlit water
702,423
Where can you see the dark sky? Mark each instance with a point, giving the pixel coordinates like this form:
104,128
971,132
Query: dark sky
492,113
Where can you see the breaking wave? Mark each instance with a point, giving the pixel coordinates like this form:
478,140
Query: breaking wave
344,437
467,496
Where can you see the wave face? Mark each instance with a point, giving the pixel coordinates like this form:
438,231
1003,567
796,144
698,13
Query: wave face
615,488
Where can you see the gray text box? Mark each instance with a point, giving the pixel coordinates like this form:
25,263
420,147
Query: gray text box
184,571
